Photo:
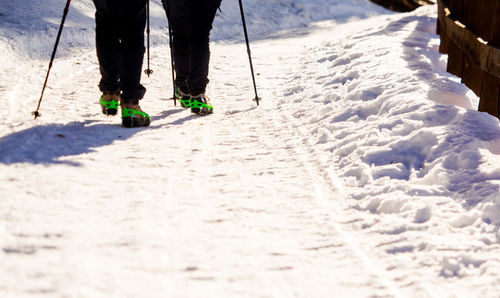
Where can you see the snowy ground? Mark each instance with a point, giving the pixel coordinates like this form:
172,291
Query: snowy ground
365,172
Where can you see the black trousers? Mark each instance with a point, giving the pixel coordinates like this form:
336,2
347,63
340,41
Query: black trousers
191,22
120,28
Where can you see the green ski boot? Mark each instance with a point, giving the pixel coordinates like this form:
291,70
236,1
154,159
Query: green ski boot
200,105
132,115
183,98
109,102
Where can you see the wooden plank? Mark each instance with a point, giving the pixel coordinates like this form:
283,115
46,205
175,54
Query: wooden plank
456,57
490,95
472,75
457,9
494,38
472,15
443,46
479,17
482,54
479,41
455,60
440,7
499,101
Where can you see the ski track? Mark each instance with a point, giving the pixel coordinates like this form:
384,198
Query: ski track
236,204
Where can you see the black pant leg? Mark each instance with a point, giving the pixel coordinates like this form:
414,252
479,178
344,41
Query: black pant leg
180,20
191,22
120,28
107,47
203,17
132,51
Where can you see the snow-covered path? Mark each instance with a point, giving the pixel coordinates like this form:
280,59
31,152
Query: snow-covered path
278,200
188,207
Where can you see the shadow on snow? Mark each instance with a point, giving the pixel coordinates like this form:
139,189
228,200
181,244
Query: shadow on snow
46,144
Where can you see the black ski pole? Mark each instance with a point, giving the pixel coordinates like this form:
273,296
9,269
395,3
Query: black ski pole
66,9
165,6
248,51
148,71
174,96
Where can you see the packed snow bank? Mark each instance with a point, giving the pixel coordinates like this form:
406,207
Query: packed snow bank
30,28
270,16
404,135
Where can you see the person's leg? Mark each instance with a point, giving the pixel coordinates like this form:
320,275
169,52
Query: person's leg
203,16
131,31
107,47
132,22
180,20
120,28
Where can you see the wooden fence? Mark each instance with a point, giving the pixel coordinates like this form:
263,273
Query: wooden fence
470,35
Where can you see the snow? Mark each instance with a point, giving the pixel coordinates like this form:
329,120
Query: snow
366,170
